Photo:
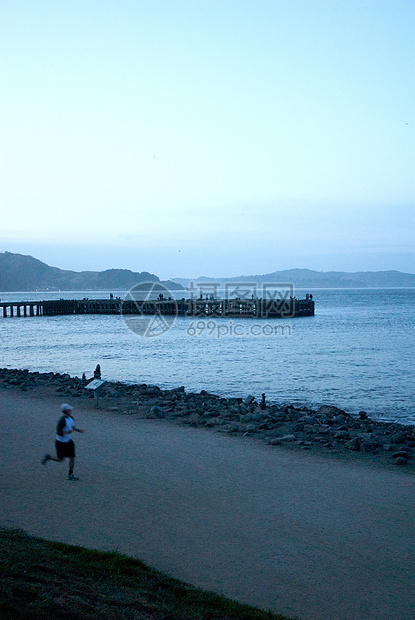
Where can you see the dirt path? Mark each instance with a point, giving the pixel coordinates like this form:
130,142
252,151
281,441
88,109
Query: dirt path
299,534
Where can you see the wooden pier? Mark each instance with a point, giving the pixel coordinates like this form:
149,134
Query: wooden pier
213,308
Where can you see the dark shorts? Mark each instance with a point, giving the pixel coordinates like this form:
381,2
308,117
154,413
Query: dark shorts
66,449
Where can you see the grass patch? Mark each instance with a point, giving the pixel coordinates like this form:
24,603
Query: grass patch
41,580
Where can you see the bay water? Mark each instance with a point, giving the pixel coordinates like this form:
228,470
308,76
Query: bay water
357,352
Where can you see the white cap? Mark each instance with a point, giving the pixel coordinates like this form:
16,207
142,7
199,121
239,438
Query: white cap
66,407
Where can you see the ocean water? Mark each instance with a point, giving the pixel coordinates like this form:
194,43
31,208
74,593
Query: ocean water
357,352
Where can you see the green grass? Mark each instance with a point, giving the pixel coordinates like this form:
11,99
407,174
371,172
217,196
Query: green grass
42,580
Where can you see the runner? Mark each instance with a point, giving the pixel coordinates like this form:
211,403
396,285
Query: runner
65,447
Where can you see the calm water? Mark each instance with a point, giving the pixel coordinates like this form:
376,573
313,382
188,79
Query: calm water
356,352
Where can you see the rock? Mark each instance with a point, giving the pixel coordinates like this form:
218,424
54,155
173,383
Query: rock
362,415
308,419
342,419
210,423
109,391
353,444
233,428
299,428
276,441
398,438
180,412
371,447
330,410
341,436
205,394
402,453
250,428
213,413
323,429
401,461
249,399
248,417
156,412
265,426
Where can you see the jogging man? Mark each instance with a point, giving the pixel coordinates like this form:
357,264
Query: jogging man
65,447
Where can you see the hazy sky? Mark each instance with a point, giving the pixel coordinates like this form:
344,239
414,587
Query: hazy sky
204,137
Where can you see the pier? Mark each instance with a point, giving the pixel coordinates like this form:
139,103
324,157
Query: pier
213,308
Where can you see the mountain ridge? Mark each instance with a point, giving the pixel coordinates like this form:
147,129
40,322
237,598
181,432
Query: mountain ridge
308,278
20,272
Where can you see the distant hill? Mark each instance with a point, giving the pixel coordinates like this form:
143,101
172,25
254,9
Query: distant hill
307,278
19,272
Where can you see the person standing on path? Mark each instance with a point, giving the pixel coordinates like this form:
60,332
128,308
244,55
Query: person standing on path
65,447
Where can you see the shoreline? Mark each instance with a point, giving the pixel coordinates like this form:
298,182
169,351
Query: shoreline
327,431
212,509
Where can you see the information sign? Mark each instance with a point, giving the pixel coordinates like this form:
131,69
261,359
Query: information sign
94,385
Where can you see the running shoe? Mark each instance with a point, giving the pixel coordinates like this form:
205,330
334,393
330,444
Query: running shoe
72,477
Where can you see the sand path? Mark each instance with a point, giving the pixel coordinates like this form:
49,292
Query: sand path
299,534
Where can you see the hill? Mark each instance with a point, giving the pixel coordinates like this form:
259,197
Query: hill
19,272
44,580
307,278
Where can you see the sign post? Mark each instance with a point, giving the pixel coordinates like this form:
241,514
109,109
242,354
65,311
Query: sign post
94,385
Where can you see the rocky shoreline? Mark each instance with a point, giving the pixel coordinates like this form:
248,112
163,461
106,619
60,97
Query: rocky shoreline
325,430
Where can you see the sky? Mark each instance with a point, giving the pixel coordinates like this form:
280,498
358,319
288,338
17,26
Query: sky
209,137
